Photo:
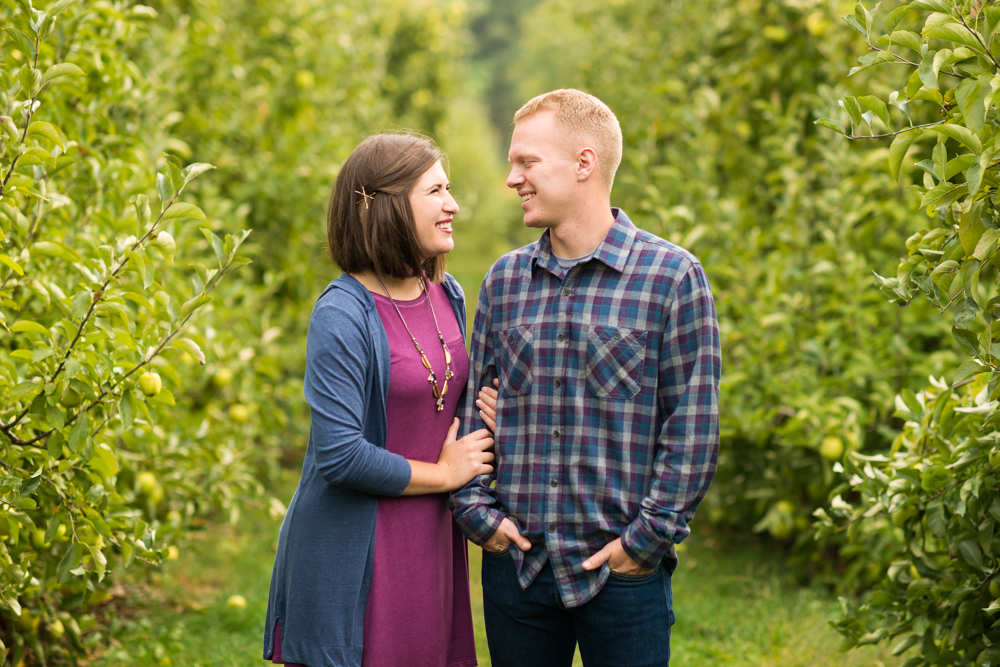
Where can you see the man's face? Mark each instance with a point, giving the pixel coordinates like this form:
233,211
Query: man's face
543,170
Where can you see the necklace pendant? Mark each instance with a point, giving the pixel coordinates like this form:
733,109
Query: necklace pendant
427,364
447,356
431,378
449,375
440,403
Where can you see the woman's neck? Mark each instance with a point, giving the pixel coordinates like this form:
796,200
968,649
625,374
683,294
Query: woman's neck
401,289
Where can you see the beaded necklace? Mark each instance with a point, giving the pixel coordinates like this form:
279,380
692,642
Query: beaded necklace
439,392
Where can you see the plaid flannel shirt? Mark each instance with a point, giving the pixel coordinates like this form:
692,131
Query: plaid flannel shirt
607,421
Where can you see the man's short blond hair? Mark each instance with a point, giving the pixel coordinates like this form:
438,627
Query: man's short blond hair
587,117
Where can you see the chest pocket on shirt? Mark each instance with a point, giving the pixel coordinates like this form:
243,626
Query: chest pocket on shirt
515,361
615,361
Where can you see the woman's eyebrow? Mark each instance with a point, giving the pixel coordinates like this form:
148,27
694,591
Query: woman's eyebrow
437,185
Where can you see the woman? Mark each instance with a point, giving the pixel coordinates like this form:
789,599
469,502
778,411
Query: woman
370,568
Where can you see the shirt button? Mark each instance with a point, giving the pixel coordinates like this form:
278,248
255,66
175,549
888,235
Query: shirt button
553,483
558,384
565,292
560,338
618,336
512,338
552,528
555,433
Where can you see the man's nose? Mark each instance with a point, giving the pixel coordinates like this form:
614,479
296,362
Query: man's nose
514,178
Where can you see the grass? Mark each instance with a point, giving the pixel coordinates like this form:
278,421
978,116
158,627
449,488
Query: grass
734,606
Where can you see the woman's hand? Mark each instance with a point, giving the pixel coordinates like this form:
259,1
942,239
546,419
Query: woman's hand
487,404
461,460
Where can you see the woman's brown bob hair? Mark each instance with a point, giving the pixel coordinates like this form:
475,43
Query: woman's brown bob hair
378,232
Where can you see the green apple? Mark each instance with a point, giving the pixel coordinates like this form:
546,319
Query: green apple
150,384
239,413
148,486
236,602
71,398
37,538
832,448
222,378
56,629
901,516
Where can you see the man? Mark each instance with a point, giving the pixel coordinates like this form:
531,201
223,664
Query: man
605,343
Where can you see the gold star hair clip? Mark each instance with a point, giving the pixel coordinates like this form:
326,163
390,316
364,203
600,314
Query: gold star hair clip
365,196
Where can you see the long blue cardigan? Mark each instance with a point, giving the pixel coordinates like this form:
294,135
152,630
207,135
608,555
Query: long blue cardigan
323,568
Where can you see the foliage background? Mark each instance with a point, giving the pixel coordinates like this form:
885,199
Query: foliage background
722,156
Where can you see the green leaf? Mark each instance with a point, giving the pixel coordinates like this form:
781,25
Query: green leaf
24,44
174,172
971,553
910,40
986,246
967,340
4,259
897,150
895,17
165,189
968,369
853,109
853,22
193,171
879,108
978,101
60,7
100,561
81,304
928,76
954,32
181,210
79,432
54,444
40,128
31,80
29,327
164,397
191,347
126,409
23,354
195,303
939,6
965,312
216,243
960,134
831,124
59,71
906,643
69,561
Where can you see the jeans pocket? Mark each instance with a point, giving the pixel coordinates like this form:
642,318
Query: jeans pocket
515,361
616,358
634,578
497,554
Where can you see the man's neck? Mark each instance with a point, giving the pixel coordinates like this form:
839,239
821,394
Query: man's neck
578,237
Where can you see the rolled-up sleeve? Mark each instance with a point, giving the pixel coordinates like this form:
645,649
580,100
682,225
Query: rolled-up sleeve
688,404
340,366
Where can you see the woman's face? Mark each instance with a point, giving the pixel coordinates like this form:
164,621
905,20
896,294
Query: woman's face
433,210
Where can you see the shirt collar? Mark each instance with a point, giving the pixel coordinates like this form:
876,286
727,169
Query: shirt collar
613,250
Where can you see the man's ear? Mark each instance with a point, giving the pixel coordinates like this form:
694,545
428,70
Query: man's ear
586,164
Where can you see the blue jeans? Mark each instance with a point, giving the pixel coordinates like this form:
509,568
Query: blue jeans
626,625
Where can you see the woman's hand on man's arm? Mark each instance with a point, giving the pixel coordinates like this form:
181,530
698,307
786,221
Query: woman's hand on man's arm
487,404
460,461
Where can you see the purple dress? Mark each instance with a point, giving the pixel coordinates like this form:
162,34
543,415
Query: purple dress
418,611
